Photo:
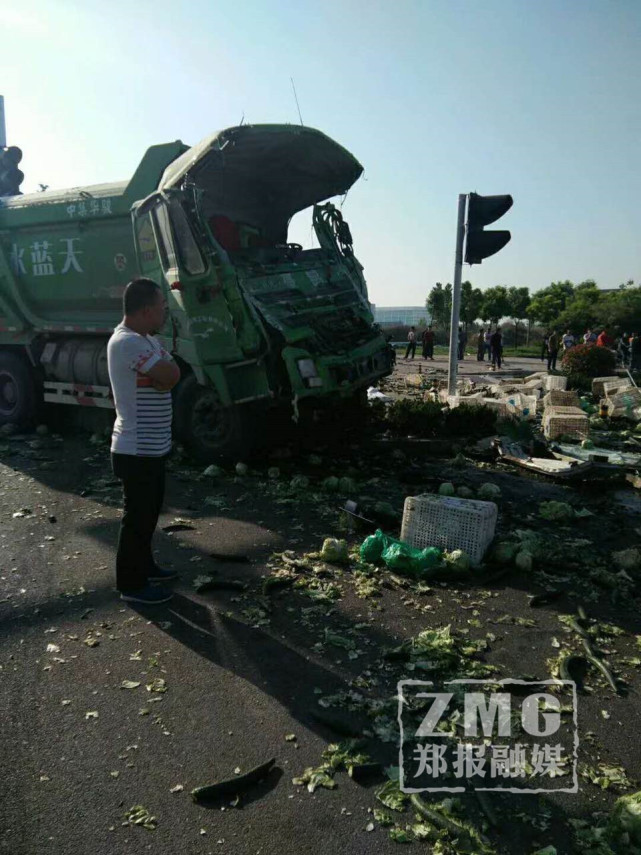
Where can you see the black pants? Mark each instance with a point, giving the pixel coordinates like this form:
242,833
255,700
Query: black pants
496,357
411,348
428,351
143,486
552,355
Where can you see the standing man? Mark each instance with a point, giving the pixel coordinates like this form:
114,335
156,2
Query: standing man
488,337
480,347
553,350
496,349
623,350
411,343
142,375
635,352
589,337
604,340
567,341
462,341
428,343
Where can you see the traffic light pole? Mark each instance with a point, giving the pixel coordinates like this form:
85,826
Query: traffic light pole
456,296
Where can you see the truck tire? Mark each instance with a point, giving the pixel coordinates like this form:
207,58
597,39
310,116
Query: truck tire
213,434
19,401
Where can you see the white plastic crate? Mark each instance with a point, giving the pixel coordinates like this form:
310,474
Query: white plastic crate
454,401
449,523
565,424
597,385
520,405
613,387
561,398
552,382
560,409
624,402
495,404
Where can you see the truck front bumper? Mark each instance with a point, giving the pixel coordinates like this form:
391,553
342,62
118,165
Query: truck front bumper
319,376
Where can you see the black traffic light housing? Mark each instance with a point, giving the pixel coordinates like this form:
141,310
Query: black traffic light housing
10,176
481,211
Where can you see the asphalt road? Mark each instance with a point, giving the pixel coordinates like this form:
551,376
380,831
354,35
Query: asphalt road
78,750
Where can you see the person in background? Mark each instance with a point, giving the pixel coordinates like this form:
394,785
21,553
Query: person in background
635,352
589,337
568,340
496,348
544,345
604,340
553,350
480,346
428,343
411,343
623,349
462,341
487,336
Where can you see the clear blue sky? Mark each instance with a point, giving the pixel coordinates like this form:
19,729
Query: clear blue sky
537,98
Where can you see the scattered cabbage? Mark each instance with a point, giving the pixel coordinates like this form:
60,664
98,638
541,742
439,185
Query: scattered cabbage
346,485
299,482
384,509
597,422
524,561
624,825
556,511
315,460
627,559
458,560
331,484
459,460
489,492
213,471
273,472
465,492
334,551
503,553
587,443
446,489
242,469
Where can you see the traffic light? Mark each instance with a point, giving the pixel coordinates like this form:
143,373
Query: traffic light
10,176
481,211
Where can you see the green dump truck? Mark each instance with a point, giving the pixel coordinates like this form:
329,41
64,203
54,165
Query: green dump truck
255,322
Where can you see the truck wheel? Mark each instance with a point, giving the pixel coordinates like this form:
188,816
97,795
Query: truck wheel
18,395
212,433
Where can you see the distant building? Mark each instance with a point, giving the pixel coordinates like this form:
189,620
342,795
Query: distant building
394,316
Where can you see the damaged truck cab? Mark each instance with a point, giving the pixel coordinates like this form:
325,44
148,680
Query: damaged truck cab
255,322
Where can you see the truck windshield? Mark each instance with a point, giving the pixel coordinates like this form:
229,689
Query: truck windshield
190,256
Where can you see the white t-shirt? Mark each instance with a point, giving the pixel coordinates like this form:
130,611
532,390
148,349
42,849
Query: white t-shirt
568,341
143,414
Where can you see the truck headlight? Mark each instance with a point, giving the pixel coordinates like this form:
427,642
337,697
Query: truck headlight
307,368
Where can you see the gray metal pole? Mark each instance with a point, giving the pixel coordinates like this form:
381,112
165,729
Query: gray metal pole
3,133
456,296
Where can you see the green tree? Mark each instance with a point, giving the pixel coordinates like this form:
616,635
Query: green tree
471,303
582,311
439,304
518,301
620,311
546,305
495,304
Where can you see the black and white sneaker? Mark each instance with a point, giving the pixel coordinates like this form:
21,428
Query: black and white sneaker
150,595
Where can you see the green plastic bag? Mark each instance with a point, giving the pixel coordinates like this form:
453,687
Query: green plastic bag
406,559
379,548
372,547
